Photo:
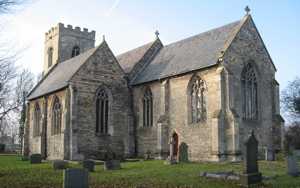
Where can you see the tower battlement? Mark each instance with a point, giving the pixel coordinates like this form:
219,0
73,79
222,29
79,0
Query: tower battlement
65,42
61,29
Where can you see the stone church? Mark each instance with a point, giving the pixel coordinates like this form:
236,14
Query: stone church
206,92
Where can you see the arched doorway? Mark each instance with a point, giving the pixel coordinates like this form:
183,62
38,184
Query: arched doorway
175,146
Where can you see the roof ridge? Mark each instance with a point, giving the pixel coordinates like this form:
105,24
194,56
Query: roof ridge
205,32
230,39
139,47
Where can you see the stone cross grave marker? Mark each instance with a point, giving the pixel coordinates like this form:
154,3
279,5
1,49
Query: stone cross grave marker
76,178
250,175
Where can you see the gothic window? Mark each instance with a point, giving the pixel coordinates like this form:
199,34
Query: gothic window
102,110
50,56
147,108
75,51
249,93
56,116
197,100
36,120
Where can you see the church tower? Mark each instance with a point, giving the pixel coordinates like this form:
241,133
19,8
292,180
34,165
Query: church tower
63,43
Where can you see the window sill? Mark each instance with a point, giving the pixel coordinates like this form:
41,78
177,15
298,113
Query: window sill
197,123
102,134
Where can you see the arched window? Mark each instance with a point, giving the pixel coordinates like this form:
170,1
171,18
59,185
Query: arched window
50,56
75,51
36,120
249,93
102,110
56,116
147,108
197,92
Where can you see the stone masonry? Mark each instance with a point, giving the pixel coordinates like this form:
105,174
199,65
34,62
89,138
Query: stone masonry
125,78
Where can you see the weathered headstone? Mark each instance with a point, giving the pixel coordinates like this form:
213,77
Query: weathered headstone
76,178
147,155
183,153
89,165
250,175
292,164
112,165
60,164
269,154
171,159
36,158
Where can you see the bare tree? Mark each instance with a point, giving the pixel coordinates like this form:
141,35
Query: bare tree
291,98
14,84
8,5
12,102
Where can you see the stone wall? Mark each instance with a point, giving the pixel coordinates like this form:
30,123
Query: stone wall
53,146
248,47
171,111
101,71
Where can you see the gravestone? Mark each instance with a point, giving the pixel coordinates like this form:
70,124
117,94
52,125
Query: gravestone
76,178
89,165
111,162
269,154
250,175
112,165
60,164
183,152
147,155
292,164
171,159
36,158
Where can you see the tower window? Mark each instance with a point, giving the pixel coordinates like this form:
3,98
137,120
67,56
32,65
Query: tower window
75,51
50,56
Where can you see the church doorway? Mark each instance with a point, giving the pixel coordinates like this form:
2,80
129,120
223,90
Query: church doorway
175,145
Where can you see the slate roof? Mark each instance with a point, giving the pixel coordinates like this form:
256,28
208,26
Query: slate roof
197,52
190,54
58,77
128,59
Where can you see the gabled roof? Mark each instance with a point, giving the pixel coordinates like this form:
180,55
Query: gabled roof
128,59
190,54
58,77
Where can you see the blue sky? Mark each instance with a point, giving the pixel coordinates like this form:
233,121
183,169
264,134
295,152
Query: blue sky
128,24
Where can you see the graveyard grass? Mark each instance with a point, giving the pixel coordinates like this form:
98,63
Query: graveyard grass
153,173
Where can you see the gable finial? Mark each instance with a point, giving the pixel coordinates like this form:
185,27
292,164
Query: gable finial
247,9
103,38
156,33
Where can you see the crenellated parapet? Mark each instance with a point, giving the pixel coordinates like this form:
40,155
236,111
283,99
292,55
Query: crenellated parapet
60,28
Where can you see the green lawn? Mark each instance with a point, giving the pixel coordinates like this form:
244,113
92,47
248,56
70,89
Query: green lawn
15,173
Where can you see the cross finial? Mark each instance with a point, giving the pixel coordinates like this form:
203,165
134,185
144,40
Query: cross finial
103,37
247,9
156,33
